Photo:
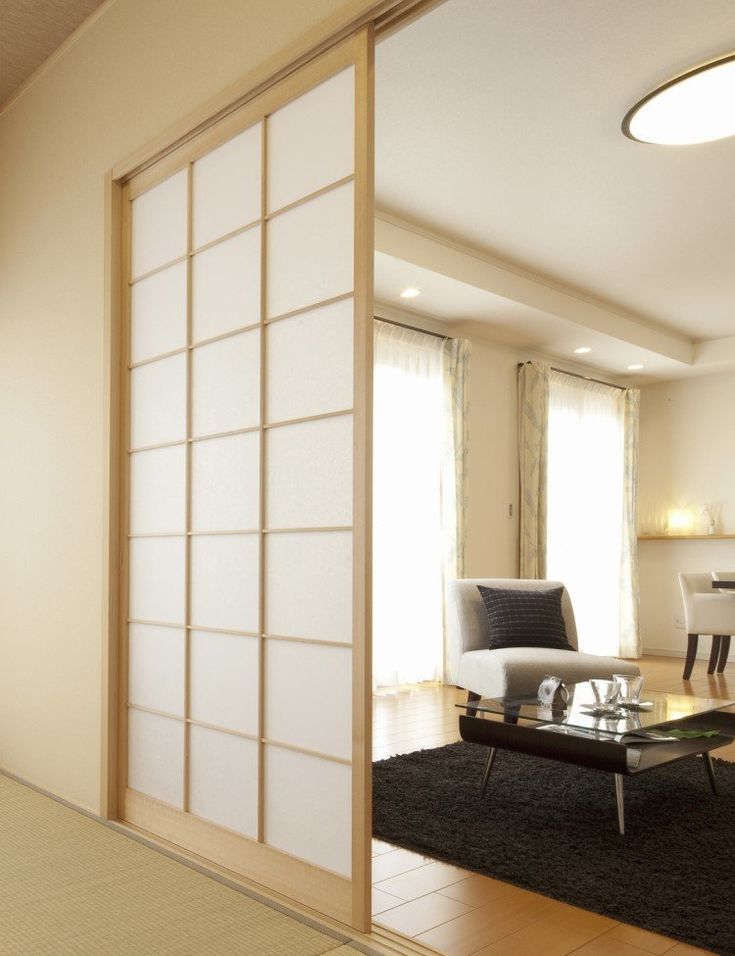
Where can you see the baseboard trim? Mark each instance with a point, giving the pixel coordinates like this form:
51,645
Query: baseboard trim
703,655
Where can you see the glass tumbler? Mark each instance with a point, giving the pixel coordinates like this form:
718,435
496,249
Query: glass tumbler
631,688
606,692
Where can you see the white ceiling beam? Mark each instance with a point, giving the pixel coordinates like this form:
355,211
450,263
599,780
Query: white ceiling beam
715,352
413,244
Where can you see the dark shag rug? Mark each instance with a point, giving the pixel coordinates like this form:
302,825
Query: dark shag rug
552,827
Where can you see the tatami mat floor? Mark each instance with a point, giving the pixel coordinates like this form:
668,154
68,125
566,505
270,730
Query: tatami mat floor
70,886
461,913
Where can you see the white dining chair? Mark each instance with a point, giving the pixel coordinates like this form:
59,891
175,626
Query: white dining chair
707,611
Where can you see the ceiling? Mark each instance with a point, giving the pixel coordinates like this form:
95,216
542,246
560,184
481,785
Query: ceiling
30,31
498,129
508,193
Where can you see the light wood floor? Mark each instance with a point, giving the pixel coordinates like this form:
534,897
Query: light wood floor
460,913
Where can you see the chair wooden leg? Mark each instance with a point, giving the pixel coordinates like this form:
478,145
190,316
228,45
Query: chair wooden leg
691,655
471,698
714,654
724,651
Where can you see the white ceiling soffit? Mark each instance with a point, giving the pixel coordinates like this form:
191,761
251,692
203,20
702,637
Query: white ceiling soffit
498,125
475,294
468,310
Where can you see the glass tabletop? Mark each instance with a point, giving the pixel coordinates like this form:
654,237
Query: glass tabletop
656,708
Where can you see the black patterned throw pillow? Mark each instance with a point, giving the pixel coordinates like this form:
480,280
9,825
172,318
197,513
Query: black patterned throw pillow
519,618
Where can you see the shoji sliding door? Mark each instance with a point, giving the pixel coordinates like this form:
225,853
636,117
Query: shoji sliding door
244,714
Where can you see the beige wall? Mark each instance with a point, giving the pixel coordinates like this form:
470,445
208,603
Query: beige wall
687,459
492,468
139,68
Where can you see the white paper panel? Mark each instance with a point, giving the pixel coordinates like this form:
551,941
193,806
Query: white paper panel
309,585
225,480
226,286
310,359
311,141
308,696
156,756
158,313
159,225
158,490
157,579
223,780
309,474
156,668
158,402
224,581
308,808
227,187
310,252
226,384
225,680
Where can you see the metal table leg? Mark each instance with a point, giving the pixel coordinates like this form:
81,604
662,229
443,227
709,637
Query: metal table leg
488,767
710,771
620,798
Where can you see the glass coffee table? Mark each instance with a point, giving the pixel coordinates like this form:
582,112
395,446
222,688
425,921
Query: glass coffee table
625,742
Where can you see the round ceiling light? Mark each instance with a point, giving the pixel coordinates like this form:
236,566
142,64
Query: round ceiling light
696,107
410,293
582,350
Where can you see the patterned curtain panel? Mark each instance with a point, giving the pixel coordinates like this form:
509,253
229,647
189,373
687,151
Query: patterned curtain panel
533,404
454,465
454,469
630,643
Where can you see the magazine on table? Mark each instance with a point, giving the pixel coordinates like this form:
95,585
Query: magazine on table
633,737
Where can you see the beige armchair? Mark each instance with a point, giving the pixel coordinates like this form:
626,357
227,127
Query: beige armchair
513,671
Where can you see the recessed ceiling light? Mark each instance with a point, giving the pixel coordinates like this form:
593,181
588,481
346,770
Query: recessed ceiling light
410,293
634,368
582,350
695,107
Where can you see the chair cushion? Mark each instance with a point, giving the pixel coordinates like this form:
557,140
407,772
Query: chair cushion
524,618
712,613
514,671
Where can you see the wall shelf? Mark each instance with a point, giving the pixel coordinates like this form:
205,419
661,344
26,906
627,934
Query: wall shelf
685,537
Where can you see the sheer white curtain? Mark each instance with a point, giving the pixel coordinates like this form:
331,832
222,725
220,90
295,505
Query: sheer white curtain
409,517
590,510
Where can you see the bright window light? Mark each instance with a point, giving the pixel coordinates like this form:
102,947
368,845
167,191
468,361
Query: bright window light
585,505
408,417
698,107
410,293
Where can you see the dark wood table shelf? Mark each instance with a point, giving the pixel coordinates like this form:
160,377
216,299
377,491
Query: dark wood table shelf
517,724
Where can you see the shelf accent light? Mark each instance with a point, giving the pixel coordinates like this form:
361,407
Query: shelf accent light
680,521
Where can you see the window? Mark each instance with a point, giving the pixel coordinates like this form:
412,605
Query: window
408,537
586,509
